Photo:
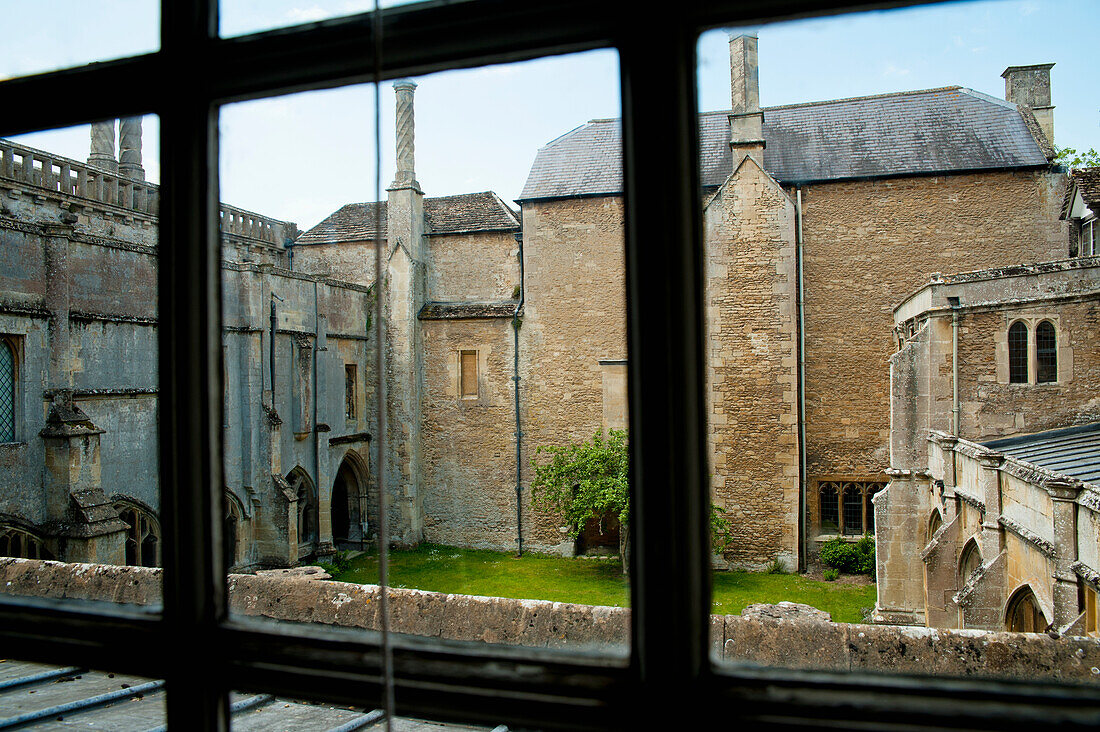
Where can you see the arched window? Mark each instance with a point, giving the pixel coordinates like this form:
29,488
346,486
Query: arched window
1023,614
1046,353
7,391
935,521
19,542
143,536
307,510
830,508
1017,353
969,562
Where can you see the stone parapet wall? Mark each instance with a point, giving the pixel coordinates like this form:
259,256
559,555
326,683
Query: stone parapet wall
785,636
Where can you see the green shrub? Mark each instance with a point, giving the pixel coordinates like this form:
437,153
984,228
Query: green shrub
857,558
831,575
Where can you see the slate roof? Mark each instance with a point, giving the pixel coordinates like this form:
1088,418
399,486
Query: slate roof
1074,451
466,212
919,132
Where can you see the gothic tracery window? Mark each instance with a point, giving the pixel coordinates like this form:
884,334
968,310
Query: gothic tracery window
1023,614
18,542
846,507
143,536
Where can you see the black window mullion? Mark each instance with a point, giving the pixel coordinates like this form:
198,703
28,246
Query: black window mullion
189,319
670,590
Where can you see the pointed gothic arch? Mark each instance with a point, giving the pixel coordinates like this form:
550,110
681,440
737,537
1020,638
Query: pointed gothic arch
349,499
969,561
1023,613
143,536
238,530
308,526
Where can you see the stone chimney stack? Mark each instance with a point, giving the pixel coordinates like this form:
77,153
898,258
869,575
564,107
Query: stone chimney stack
129,148
1029,86
406,134
746,119
103,146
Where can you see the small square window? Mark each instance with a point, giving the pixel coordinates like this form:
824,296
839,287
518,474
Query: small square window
467,375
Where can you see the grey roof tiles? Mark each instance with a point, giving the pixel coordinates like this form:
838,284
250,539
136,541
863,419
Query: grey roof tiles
909,133
1073,451
467,212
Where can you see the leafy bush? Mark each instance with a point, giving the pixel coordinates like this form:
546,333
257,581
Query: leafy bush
857,558
831,575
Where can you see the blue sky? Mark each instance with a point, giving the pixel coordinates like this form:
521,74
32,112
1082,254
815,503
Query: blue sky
300,157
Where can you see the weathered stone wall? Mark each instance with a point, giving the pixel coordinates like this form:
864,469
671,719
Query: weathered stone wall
761,635
351,261
752,435
868,244
574,317
473,267
991,407
469,443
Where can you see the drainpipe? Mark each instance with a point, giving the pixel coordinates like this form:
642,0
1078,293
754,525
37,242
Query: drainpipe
516,323
801,389
271,342
954,302
316,426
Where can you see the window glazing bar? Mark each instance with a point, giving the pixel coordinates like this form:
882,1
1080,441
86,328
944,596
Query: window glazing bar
190,393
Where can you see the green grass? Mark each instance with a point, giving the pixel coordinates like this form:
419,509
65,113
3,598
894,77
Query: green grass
590,581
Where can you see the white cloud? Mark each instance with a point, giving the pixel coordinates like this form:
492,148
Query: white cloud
307,15
892,70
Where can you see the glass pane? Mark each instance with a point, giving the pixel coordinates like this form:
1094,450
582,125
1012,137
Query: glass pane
859,288
66,33
78,361
504,308
1046,352
238,17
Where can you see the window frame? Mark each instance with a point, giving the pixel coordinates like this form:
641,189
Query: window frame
13,343
669,665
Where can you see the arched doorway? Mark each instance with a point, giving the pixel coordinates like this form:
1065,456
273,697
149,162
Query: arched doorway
306,492
348,495
1023,614
237,531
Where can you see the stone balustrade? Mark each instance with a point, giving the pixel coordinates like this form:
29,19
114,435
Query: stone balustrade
42,170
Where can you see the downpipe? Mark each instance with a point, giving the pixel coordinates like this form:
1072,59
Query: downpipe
517,321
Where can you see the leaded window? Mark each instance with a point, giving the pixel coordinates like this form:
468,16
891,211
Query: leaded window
846,507
1046,353
7,391
1017,353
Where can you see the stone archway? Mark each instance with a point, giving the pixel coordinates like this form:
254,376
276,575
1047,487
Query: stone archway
1023,614
349,492
308,527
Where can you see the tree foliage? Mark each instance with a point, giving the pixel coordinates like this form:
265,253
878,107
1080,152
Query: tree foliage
583,481
588,480
1070,158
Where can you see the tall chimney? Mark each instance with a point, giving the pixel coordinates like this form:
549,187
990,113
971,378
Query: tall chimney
103,146
1029,86
129,148
746,119
406,132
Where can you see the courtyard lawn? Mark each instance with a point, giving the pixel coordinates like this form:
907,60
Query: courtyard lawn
592,581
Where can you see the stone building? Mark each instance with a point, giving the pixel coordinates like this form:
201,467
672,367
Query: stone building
818,217
995,453
78,372
506,330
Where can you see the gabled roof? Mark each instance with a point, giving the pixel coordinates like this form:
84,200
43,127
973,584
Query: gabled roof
464,213
1087,181
909,133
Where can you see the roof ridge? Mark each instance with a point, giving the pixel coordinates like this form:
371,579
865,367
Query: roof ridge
912,92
